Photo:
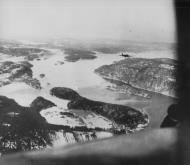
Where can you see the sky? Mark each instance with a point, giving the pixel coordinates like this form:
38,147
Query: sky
140,20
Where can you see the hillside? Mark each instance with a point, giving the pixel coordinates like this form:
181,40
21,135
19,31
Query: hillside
141,76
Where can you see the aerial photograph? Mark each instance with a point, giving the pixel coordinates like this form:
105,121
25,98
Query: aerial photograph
77,71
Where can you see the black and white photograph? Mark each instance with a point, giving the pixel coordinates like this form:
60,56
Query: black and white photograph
93,82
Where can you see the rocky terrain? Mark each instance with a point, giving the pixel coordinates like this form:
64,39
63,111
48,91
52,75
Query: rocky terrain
24,129
140,76
17,72
29,53
74,55
125,118
21,128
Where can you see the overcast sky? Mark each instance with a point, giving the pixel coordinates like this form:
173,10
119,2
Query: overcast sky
146,20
